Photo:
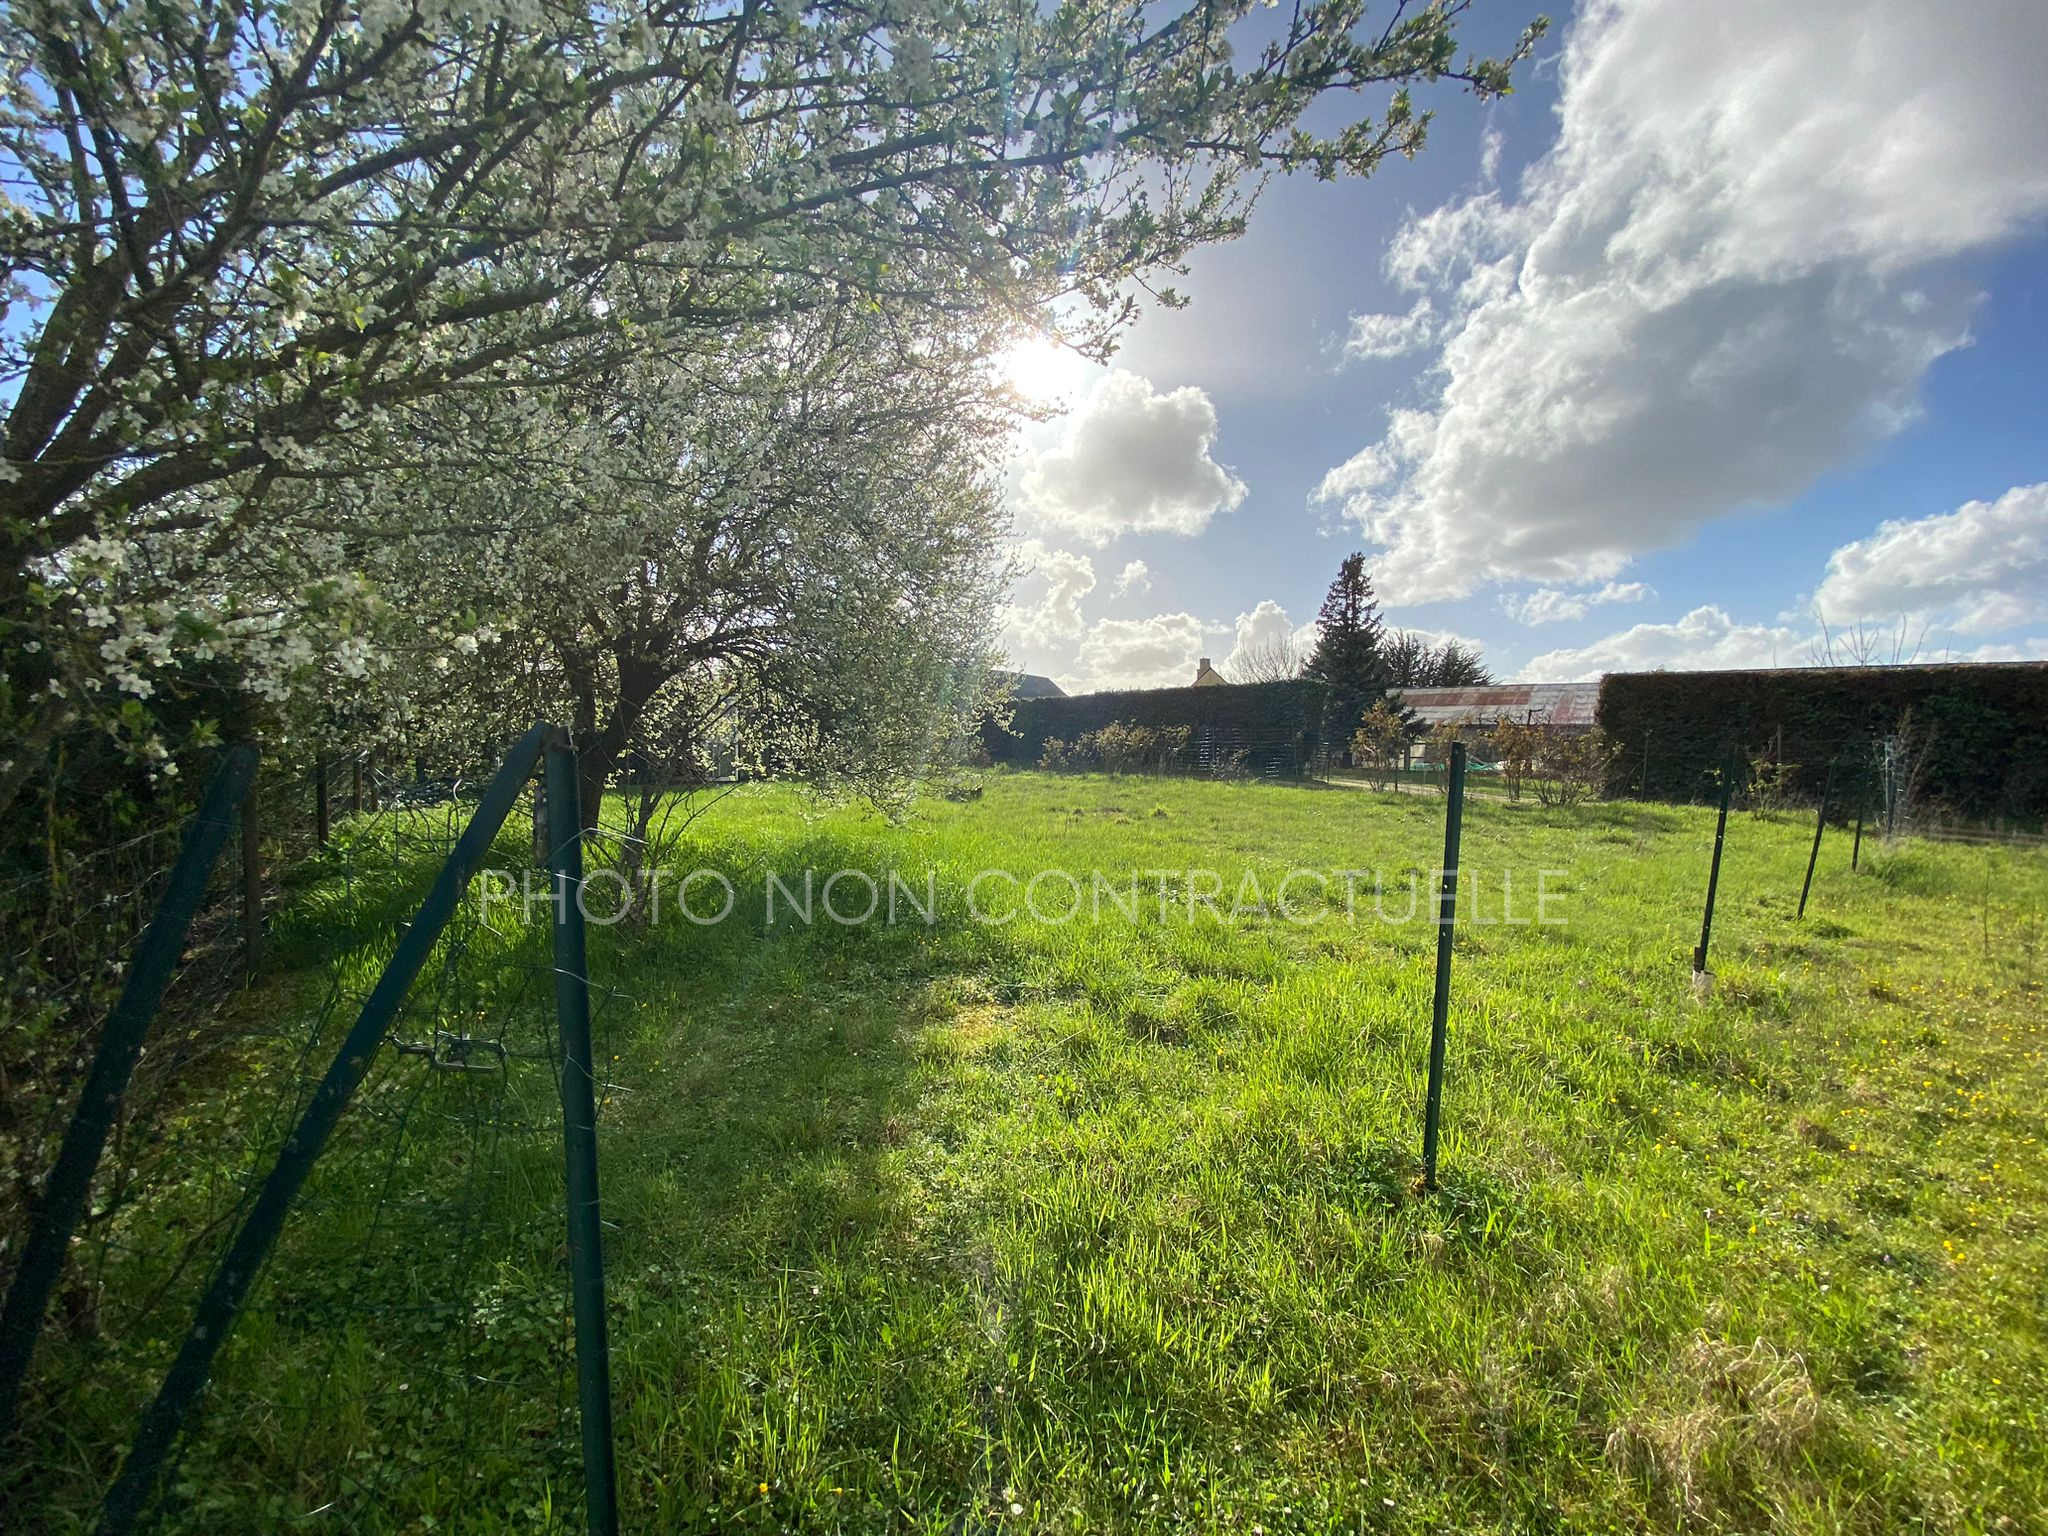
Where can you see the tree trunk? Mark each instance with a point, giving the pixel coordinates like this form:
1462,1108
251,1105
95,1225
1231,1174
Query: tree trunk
596,756
599,747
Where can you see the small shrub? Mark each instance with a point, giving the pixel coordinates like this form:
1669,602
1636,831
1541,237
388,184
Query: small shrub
1772,780
1380,744
1119,747
1572,766
1516,745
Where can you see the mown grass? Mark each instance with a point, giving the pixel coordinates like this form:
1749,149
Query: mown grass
1113,1224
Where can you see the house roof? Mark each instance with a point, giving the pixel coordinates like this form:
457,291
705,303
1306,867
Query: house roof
1029,685
1541,703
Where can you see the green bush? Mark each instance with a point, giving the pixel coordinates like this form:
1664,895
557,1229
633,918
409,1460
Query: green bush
1118,747
1277,726
1984,728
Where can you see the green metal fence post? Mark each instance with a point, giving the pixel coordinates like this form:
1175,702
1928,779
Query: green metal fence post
1446,929
218,1308
120,1047
579,1143
1827,791
1699,955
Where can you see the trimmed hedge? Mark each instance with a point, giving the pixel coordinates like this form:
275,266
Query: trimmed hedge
1272,717
1984,725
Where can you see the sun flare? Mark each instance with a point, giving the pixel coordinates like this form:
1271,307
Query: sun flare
1043,371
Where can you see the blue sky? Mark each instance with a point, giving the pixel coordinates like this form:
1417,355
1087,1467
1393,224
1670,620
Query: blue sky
1730,321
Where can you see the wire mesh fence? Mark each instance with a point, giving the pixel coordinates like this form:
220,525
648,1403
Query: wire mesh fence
405,1359
72,910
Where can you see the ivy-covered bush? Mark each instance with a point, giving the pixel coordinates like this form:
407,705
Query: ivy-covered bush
1274,724
1982,727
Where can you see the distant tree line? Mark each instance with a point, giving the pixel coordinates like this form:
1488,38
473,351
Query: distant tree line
1315,703
1357,659
1412,662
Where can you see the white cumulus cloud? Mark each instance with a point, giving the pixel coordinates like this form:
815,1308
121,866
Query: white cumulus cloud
1554,605
1262,636
2035,649
1159,652
1978,570
1491,143
1046,608
1391,335
1133,460
1704,640
1727,278
1135,577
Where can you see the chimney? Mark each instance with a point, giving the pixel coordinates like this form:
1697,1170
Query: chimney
1203,667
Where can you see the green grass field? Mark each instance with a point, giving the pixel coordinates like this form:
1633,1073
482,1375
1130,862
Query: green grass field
1113,1224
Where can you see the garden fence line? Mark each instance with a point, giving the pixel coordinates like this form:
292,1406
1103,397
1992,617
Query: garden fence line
311,1268
327,1289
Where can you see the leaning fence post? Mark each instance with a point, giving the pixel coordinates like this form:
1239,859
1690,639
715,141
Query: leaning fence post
221,1303
579,1142
1699,955
1820,824
120,1047
1446,928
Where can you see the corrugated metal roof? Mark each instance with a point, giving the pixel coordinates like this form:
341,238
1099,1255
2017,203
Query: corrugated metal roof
1542,703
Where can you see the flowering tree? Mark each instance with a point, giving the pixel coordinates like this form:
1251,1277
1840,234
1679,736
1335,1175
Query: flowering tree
238,232
787,545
